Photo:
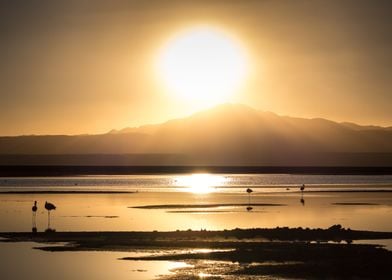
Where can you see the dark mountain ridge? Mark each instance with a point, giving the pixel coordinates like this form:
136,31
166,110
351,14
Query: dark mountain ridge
228,134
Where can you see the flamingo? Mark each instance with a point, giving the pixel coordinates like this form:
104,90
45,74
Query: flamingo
249,191
302,188
49,206
34,209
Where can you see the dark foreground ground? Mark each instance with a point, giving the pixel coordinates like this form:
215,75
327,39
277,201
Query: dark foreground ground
279,252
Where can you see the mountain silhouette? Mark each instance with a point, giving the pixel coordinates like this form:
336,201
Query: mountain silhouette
228,134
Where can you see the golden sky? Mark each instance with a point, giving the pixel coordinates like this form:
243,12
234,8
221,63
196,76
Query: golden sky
79,66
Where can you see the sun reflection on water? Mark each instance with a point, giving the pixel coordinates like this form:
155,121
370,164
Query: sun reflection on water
200,183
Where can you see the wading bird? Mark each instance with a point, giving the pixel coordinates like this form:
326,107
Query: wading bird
34,210
49,206
302,188
249,191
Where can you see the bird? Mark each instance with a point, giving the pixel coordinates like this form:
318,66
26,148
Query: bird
49,206
249,191
302,188
34,208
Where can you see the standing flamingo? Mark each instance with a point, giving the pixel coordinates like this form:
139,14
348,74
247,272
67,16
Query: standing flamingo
249,191
34,210
49,206
302,188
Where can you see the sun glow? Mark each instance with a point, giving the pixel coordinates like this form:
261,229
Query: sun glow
202,65
200,183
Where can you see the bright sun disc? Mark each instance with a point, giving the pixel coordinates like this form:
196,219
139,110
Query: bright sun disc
202,65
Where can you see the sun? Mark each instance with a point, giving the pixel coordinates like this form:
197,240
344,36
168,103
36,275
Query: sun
202,65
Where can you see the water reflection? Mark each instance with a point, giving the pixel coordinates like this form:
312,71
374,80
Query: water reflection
50,230
19,261
88,212
200,183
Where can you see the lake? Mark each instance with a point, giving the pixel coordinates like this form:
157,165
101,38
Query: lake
171,202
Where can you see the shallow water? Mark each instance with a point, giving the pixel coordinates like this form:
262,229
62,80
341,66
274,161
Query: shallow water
175,182
321,205
114,212
20,261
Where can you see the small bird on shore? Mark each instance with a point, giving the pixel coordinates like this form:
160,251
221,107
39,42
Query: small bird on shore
302,188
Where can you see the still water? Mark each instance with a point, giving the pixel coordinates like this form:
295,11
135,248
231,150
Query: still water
171,202
358,202
20,261
219,182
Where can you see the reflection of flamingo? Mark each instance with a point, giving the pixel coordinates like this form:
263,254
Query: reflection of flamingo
302,201
249,191
49,206
34,209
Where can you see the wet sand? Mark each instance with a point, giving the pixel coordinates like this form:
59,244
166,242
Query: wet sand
278,252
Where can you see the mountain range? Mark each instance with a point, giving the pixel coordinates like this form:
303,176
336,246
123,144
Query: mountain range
229,134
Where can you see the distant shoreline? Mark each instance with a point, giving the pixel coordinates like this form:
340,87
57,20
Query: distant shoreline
68,170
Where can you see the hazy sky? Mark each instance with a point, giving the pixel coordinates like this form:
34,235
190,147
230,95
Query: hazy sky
78,66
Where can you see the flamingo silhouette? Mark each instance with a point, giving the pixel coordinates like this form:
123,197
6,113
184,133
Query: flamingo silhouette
302,188
49,206
249,191
34,210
